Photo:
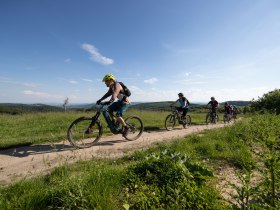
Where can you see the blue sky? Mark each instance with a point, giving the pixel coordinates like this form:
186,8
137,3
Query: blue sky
50,50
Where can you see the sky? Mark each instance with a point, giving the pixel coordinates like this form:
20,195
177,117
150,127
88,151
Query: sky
54,49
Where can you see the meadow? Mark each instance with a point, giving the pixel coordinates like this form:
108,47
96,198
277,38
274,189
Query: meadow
175,175
50,127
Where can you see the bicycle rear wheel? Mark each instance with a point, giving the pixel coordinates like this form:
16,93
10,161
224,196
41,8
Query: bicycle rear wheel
188,120
136,128
80,135
170,122
226,118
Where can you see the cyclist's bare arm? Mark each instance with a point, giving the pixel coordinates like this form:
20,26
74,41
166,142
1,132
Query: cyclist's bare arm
116,92
109,93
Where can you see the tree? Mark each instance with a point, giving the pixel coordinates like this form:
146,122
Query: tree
269,101
66,101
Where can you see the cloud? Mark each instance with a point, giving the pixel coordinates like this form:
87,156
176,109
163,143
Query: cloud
95,55
25,84
73,82
87,80
41,94
151,80
67,60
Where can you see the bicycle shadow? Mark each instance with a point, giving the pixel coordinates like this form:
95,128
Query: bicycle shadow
24,151
29,149
111,142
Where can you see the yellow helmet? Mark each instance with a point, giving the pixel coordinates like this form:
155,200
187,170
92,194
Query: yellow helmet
108,77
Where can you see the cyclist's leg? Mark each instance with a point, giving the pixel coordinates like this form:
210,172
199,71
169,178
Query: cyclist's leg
178,108
185,111
119,107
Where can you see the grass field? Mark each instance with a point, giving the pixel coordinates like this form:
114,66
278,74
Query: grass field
175,175
36,128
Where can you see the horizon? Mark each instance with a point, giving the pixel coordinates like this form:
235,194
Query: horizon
51,50
133,103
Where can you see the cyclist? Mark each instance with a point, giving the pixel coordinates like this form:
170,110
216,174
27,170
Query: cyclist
214,105
184,105
116,92
228,108
234,111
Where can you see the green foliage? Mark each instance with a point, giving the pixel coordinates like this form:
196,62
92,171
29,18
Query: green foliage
88,185
168,180
262,133
269,102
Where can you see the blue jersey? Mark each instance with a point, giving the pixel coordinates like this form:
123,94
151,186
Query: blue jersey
183,102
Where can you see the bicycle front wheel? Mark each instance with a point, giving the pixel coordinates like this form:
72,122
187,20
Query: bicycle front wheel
81,135
208,119
136,128
170,122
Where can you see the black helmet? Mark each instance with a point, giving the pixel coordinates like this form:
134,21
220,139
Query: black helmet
180,94
226,103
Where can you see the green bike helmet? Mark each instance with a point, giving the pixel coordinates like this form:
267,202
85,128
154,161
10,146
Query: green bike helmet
108,77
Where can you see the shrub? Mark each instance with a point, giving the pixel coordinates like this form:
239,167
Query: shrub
168,180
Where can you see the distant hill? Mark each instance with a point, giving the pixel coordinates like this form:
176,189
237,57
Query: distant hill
239,103
160,106
14,108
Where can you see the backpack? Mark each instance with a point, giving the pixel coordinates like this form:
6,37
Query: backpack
125,89
185,99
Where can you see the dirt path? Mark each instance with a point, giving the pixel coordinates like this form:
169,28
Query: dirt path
29,161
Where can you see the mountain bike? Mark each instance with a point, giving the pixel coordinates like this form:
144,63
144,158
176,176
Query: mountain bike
175,115
227,117
211,117
86,131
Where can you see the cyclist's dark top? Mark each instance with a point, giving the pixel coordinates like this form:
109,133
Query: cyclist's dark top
214,104
228,108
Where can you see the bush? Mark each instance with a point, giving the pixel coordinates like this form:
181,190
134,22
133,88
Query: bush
268,102
169,180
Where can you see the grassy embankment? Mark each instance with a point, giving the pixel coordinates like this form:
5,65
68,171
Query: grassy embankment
163,177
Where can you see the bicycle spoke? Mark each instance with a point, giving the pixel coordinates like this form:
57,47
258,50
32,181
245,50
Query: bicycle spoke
81,135
136,127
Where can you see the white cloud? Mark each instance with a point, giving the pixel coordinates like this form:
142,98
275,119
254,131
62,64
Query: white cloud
151,80
73,82
25,84
95,55
41,94
67,60
87,80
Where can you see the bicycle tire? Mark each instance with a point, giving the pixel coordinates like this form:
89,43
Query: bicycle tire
170,122
208,119
136,127
226,119
77,135
216,119
188,120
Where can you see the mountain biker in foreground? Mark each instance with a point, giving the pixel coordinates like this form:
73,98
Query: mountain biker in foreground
184,105
214,105
116,92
